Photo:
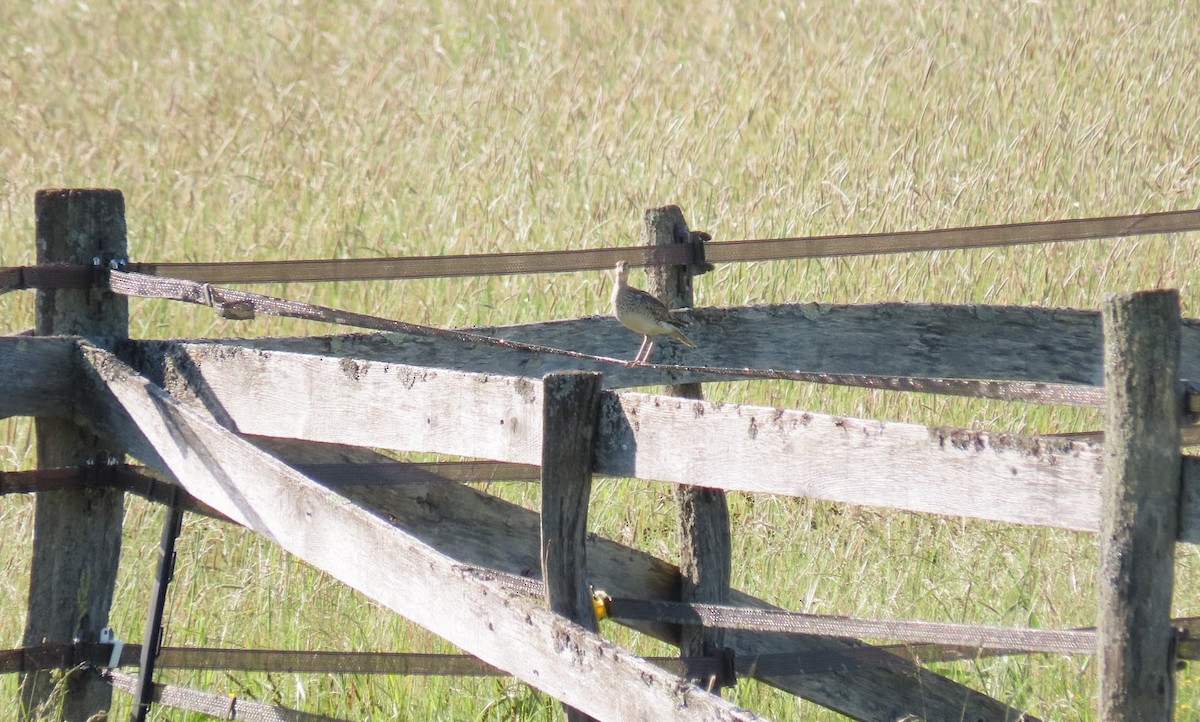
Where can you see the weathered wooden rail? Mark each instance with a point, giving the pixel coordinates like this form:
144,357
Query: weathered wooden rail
205,413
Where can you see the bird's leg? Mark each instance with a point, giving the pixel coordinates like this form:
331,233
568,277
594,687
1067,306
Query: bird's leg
638,359
649,348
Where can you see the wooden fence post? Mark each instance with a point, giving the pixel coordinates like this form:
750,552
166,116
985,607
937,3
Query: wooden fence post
77,534
570,414
705,555
1140,506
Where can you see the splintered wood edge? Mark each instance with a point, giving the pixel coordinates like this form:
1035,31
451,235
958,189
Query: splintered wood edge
392,566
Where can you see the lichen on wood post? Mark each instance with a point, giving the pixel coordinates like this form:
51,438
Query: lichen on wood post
1140,505
77,534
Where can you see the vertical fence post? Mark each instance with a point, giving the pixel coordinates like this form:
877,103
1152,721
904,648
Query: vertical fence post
1140,507
705,550
570,414
76,534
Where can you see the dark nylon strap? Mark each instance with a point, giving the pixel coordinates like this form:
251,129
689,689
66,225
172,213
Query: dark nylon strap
923,641
36,480
364,269
134,479
15,278
1009,234
319,662
695,255
379,269
969,636
236,304
66,656
401,472
142,481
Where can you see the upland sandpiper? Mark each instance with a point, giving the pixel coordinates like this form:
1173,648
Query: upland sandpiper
642,313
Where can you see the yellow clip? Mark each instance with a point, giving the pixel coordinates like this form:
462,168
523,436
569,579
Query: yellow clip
600,603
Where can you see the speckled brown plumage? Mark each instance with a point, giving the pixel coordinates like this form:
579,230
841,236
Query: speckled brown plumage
642,313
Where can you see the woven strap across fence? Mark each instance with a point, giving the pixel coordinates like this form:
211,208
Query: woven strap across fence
236,304
695,255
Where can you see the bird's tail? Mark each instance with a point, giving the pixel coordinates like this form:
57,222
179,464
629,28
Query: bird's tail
678,336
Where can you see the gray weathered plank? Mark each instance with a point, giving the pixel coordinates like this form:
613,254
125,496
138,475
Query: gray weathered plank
35,373
354,401
484,531
367,552
1141,493
1007,478
1017,343
457,355
215,367
1026,480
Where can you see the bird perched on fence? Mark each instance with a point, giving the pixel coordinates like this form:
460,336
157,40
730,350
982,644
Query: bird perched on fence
642,313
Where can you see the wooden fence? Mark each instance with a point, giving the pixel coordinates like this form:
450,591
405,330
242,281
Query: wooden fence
257,430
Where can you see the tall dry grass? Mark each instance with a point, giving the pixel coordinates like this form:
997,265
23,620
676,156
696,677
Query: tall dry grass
316,130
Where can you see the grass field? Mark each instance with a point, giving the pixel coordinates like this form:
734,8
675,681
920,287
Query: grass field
275,130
